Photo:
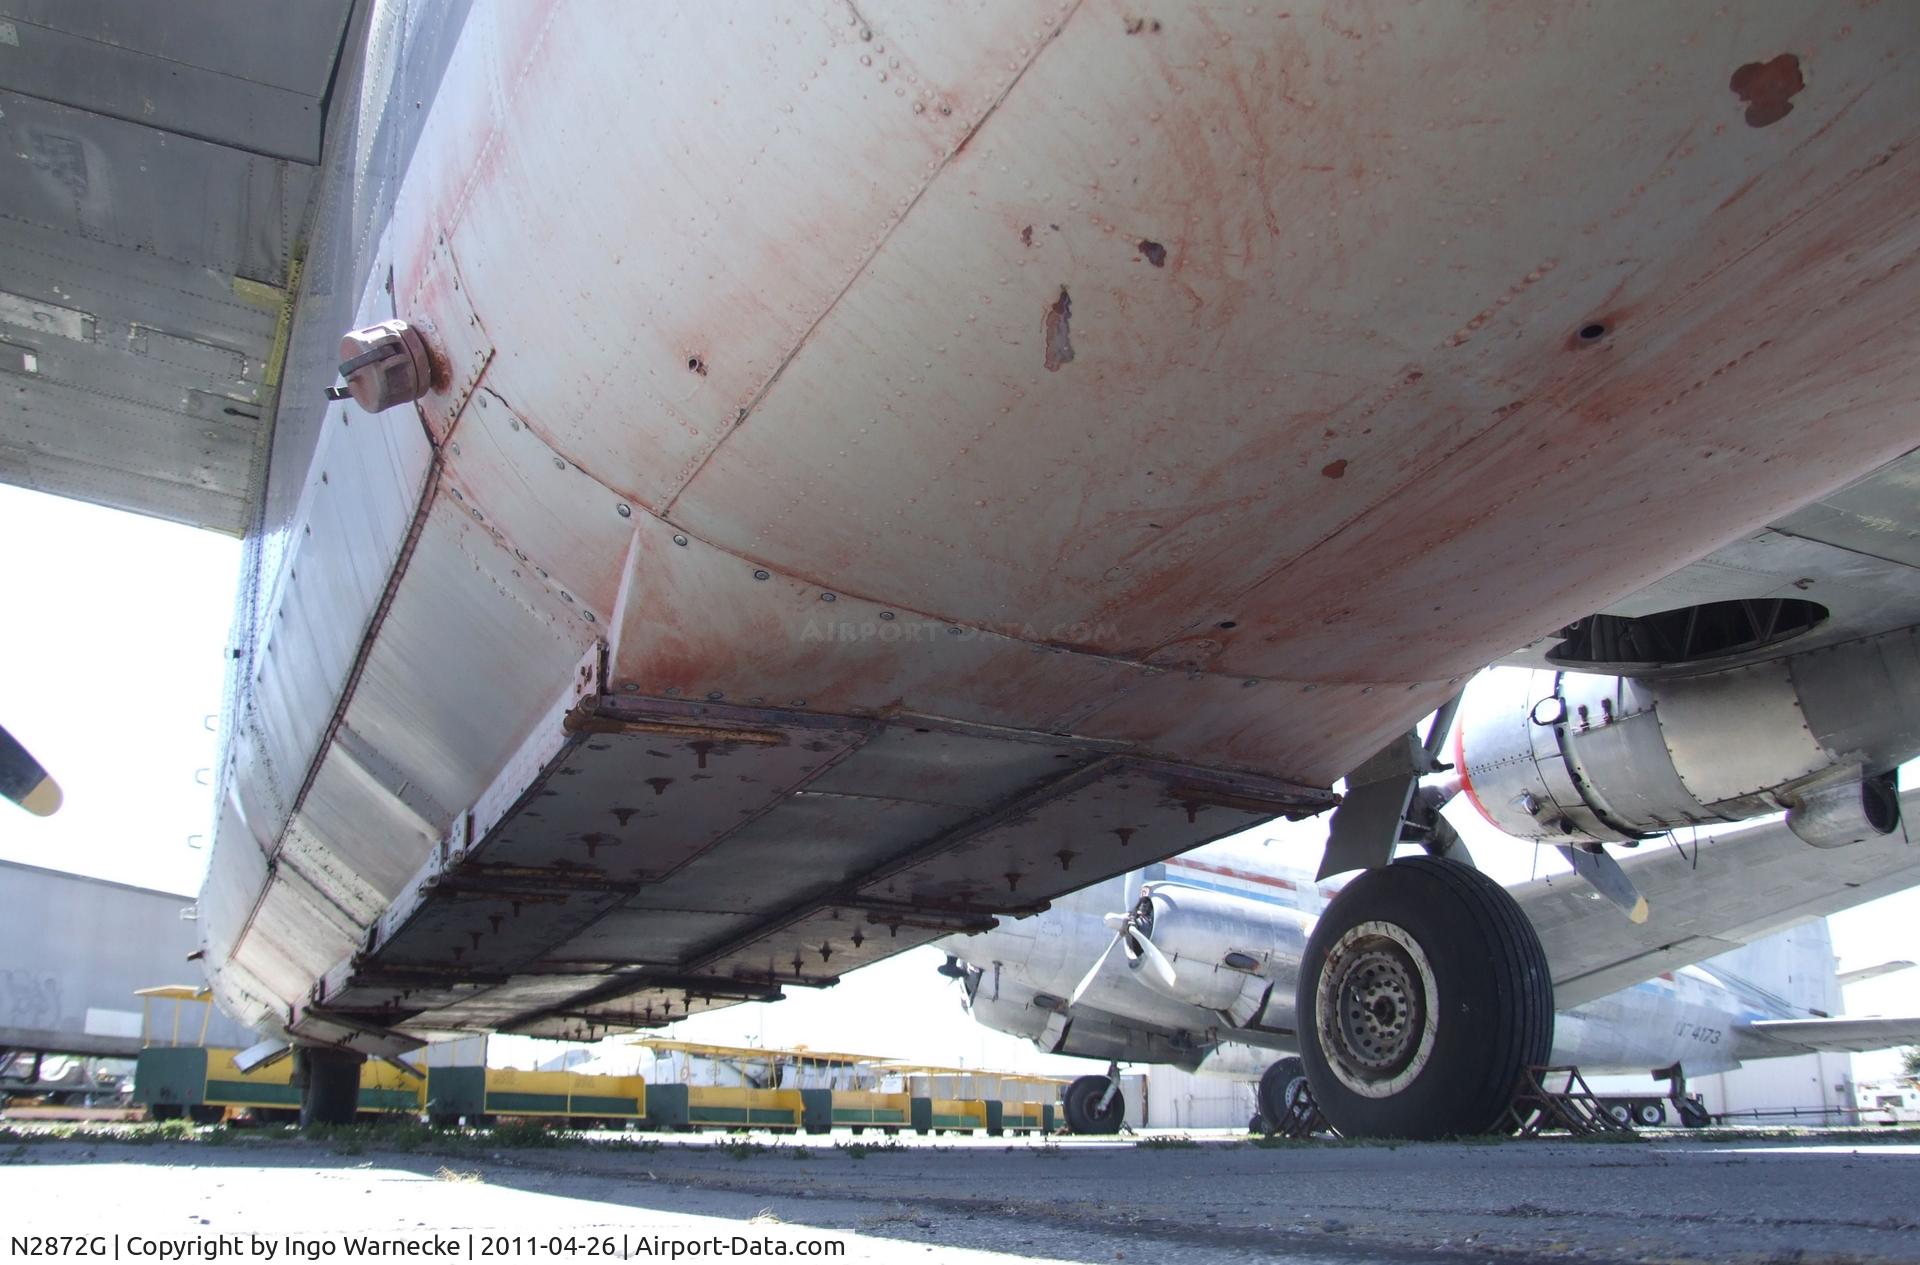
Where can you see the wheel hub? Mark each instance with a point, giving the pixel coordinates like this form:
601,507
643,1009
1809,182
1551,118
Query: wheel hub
1375,1009
1376,1000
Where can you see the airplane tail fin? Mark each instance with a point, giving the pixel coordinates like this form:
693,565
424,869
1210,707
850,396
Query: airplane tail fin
1853,1036
1792,970
1872,972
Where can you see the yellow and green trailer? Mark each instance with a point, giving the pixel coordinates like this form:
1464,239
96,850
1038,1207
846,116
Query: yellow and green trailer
480,1094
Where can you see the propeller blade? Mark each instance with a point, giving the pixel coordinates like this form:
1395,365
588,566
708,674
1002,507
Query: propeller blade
23,781
1086,981
1609,880
1156,961
1115,922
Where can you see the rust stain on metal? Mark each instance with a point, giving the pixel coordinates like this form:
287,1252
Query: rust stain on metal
1745,188
583,720
1767,88
1155,253
1335,469
1056,325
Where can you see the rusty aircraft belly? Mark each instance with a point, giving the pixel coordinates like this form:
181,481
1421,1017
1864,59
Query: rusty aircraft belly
890,466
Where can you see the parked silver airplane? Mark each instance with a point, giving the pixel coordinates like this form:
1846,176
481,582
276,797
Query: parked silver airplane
732,494
1194,961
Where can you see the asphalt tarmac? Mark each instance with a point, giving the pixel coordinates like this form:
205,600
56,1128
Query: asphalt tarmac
1178,1197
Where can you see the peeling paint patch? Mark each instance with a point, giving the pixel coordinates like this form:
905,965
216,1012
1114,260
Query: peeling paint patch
1334,469
1155,253
1026,235
1766,88
1056,327
1143,26
697,364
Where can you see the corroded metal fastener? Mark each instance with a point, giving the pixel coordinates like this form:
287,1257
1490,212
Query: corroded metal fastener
384,365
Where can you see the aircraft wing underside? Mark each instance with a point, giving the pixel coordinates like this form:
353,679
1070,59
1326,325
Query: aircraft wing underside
1706,897
1855,552
158,161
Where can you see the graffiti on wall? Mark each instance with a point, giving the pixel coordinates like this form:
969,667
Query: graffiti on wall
28,1000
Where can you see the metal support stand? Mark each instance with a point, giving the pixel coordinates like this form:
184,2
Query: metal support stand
1559,1098
1302,1118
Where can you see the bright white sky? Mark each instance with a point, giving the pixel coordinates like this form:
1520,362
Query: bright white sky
113,645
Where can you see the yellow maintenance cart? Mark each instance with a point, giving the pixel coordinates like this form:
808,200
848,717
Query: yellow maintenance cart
968,1100
820,1090
756,1098
479,1094
178,1074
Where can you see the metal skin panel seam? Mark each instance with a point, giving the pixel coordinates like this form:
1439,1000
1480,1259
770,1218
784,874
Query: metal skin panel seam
346,696
526,204
999,94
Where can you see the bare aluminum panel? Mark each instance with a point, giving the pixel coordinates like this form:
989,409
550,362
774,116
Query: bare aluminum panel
130,85
1740,885
292,50
1759,704
158,163
1855,551
145,386
176,200
1873,517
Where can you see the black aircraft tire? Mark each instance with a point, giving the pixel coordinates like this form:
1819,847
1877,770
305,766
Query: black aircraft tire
1390,1063
330,1093
1081,1106
1276,1091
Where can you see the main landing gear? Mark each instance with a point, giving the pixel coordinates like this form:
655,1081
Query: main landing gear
1280,1096
1094,1104
1423,997
329,1081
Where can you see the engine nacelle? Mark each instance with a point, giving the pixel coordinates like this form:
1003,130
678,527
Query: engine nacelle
1232,955
1569,757
1045,1020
